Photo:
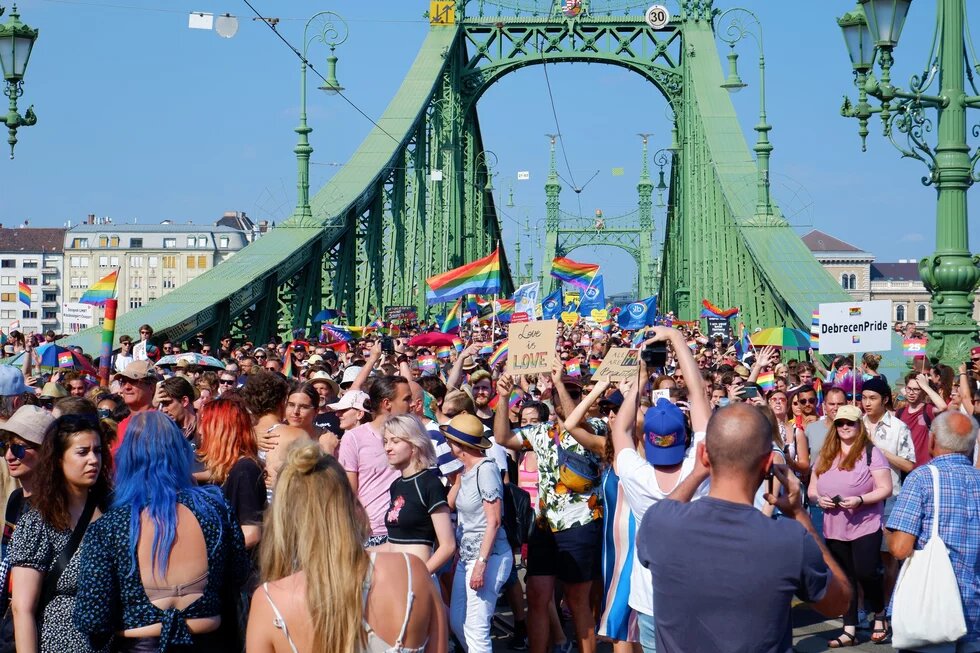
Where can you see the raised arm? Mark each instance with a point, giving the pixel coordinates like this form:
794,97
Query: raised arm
369,364
966,391
934,397
501,420
624,425
700,408
764,358
456,373
574,421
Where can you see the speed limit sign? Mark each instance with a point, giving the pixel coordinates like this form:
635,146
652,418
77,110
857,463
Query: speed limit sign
657,16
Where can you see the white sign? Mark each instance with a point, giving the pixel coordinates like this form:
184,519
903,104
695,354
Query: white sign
436,175
80,314
526,298
855,327
657,17
200,20
523,175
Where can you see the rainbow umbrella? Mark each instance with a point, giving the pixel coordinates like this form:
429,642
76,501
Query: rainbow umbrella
782,337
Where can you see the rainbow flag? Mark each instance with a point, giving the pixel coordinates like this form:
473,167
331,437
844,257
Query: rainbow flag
444,351
485,350
452,317
337,332
499,355
428,364
766,381
815,330
479,277
458,345
577,274
914,346
101,290
573,367
504,308
25,292
594,365
512,401
65,359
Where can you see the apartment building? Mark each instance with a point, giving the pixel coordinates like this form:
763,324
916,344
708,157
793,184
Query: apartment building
32,256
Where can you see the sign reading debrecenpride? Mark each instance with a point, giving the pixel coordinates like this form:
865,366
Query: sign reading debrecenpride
855,327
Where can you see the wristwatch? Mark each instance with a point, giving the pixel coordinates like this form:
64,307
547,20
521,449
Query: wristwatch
482,559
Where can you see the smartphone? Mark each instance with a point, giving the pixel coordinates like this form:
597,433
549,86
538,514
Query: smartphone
750,392
837,499
655,354
387,345
770,478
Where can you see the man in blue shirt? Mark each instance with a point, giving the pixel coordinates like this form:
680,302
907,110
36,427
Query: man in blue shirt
724,574
952,437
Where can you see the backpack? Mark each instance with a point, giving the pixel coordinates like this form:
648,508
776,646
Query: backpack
518,518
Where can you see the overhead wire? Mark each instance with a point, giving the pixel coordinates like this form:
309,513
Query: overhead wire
116,5
561,137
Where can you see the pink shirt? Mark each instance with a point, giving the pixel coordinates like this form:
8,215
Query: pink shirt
849,525
362,452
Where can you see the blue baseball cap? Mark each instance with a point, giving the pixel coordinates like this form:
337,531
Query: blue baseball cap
664,433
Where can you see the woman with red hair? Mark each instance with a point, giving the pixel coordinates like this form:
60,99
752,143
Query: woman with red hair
231,455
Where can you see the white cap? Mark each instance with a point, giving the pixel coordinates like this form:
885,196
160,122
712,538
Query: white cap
352,399
29,423
350,374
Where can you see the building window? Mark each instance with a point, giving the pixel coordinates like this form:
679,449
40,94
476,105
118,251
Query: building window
191,241
853,282
79,243
135,243
168,283
29,315
202,262
49,280
135,302
223,242
8,315
135,283
30,281
8,281
844,282
30,263
900,313
152,261
922,313
103,241
50,315
170,243
190,262
114,241
136,261
49,297
169,262
8,263
8,297
114,261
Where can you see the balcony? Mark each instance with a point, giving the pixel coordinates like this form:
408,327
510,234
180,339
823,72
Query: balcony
49,269
49,304
49,287
49,320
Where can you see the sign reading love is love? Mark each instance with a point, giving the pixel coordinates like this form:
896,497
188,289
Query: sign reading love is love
532,347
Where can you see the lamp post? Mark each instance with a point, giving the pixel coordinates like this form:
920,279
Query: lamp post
662,159
16,43
743,23
332,31
950,273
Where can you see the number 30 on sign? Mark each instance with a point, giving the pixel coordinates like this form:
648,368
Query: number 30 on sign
657,16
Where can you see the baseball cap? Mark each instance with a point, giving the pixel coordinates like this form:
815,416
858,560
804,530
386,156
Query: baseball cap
975,351
52,390
315,358
12,381
615,400
349,375
664,433
29,423
848,412
139,371
353,399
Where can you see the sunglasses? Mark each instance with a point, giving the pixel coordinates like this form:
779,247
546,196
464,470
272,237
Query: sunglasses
19,450
811,401
226,381
260,356
845,422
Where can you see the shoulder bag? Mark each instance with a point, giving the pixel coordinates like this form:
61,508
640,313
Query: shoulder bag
924,610
50,586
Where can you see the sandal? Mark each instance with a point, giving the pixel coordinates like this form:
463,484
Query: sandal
840,643
881,635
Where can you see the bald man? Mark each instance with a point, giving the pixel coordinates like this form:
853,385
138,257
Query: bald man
952,438
724,575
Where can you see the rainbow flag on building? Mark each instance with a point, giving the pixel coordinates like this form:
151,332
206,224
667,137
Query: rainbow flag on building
766,381
452,317
25,292
577,274
101,290
499,355
481,277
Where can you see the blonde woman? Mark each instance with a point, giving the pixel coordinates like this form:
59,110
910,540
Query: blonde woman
336,597
418,519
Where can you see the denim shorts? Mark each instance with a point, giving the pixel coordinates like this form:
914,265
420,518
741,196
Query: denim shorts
573,555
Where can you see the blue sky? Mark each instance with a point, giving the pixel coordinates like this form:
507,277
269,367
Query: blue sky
141,118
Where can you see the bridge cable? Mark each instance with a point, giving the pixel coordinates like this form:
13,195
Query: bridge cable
306,61
561,138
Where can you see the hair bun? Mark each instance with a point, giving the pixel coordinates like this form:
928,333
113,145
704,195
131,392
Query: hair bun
305,458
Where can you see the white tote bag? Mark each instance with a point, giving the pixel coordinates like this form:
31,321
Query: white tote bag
927,608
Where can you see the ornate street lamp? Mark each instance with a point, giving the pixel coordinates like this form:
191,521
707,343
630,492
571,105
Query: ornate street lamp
331,31
743,23
16,43
951,273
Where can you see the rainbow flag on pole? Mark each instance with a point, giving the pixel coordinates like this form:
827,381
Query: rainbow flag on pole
577,274
452,317
101,290
480,277
25,292
766,381
499,355
573,367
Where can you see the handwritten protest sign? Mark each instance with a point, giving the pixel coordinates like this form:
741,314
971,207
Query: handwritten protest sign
620,364
532,347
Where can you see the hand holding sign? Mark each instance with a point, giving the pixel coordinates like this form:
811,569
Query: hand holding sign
532,347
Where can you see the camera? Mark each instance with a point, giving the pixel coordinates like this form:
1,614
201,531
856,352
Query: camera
387,345
655,354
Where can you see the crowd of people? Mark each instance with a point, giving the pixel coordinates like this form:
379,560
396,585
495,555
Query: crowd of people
373,495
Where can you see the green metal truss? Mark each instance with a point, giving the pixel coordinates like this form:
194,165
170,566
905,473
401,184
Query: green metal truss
416,197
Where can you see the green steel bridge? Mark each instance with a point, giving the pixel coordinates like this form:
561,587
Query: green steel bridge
383,224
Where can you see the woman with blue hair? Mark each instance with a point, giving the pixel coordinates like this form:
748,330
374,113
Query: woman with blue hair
159,569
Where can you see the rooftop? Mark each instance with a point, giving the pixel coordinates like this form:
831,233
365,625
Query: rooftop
818,241
895,272
32,239
149,228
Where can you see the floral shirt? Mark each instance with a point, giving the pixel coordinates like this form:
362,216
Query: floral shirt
559,506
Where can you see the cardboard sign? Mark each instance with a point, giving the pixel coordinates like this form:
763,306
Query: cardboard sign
401,314
532,347
719,326
855,327
619,364
78,316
